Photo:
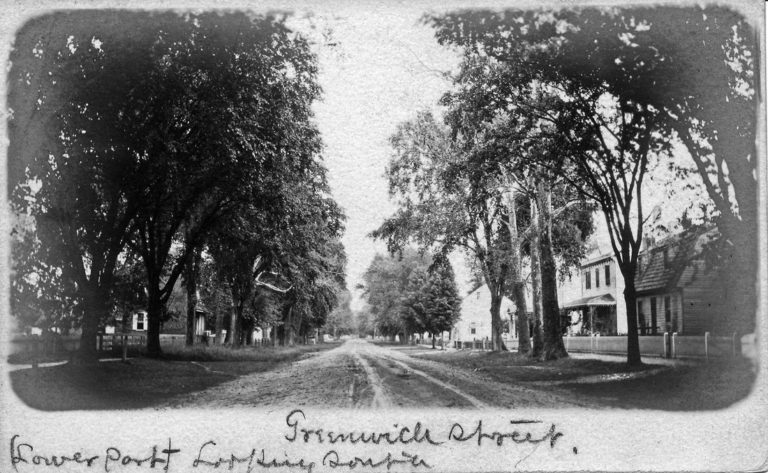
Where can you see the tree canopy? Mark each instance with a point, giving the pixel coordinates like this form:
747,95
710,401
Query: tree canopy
143,133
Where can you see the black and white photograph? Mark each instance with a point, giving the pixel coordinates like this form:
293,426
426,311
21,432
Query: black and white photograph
399,213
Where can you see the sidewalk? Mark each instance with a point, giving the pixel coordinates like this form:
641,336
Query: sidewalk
650,360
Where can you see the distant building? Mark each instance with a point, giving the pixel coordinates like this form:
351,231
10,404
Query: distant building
475,320
137,321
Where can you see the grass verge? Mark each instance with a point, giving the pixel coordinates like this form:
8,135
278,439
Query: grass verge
691,386
146,382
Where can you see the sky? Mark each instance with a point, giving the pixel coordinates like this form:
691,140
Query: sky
379,66
377,69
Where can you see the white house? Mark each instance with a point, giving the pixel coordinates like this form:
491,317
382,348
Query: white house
475,320
594,299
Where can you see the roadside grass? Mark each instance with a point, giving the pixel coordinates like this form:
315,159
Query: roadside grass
145,382
690,386
503,366
179,353
264,354
388,343
702,386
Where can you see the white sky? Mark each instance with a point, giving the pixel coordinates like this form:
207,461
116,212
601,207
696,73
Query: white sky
379,70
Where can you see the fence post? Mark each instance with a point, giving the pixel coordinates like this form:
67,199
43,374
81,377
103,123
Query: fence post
674,344
706,346
100,346
124,339
733,344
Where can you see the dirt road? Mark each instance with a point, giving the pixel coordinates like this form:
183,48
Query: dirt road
360,374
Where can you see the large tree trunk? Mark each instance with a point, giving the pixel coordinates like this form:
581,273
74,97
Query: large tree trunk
155,317
537,336
95,308
233,324
553,347
740,277
289,331
741,271
237,338
219,318
249,334
497,343
516,275
630,299
190,282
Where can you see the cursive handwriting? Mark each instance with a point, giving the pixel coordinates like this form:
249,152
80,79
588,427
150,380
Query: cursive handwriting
114,456
457,433
332,460
402,435
232,460
24,453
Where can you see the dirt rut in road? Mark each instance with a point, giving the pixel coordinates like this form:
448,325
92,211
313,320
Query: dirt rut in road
359,374
380,398
404,385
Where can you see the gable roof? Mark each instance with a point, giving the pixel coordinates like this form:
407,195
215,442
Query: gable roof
659,268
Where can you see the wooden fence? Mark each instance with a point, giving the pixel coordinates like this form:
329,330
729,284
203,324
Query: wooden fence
667,345
52,345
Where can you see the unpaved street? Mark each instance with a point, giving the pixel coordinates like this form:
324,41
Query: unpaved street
360,374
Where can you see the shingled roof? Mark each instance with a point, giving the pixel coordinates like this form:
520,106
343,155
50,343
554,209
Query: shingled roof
659,268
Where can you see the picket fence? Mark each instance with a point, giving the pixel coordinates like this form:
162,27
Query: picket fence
667,345
105,342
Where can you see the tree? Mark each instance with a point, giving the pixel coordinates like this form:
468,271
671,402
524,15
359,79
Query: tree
385,282
432,300
312,260
364,323
341,319
72,164
594,118
711,104
129,292
40,294
443,206
502,154
147,128
235,104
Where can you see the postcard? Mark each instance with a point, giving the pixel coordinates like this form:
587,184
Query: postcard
375,236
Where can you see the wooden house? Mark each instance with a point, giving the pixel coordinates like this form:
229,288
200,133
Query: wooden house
475,320
678,290
596,305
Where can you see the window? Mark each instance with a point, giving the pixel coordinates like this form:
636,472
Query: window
472,331
588,282
668,315
140,317
607,275
654,323
597,277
